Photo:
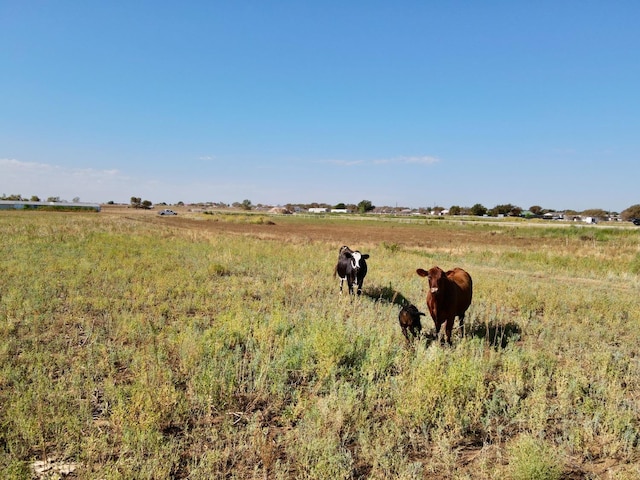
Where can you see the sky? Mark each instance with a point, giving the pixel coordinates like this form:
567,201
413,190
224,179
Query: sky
401,103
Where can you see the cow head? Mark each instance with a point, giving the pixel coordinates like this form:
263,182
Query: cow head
355,259
435,276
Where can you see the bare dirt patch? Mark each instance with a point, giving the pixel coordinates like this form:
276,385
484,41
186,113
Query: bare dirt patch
343,231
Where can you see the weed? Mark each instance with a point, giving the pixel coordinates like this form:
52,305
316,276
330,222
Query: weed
134,348
529,457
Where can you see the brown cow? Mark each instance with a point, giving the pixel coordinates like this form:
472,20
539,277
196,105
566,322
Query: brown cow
409,318
449,296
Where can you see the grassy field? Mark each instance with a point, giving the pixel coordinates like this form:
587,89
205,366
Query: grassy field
217,346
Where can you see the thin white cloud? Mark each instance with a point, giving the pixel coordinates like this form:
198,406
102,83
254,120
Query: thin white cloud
420,160
11,165
33,178
346,163
94,185
207,158
415,160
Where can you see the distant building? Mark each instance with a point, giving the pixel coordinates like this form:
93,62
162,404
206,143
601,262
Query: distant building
280,210
318,210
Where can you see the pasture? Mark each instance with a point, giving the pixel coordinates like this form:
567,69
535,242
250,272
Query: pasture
217,346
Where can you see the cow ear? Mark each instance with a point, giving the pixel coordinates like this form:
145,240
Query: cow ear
421,272
365,256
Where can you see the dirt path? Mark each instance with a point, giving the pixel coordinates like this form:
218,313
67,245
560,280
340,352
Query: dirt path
343,232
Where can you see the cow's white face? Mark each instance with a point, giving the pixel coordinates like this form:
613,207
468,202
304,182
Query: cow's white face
356,259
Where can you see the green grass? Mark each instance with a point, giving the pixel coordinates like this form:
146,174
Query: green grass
134,350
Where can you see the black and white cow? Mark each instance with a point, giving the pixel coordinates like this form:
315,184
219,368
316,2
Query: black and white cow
352,267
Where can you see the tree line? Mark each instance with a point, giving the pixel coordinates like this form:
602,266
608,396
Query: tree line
364,206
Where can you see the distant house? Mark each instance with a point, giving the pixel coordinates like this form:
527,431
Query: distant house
280,210
318,210
339,210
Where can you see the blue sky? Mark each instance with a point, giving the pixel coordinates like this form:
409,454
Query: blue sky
408,103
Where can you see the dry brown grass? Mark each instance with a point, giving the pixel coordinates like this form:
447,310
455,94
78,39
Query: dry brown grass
215,346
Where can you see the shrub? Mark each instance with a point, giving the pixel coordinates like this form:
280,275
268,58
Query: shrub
532,458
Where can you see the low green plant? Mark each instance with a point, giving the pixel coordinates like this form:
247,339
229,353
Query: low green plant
138,350
391,247
531,457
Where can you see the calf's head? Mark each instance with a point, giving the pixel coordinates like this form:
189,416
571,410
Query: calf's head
357,259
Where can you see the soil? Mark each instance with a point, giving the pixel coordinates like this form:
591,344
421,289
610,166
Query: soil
342,232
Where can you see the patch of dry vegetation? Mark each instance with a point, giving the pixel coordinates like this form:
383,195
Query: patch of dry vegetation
147,347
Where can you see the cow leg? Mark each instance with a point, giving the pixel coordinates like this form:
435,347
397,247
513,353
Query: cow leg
405,333
351,281
449,329
415,330
341,282
438,326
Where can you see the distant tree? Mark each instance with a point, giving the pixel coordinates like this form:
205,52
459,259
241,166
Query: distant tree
478,210
596,213
53,199
246,205
76,199
506,209
536,209
180,204
340,206
365,206
455,210
35,198
632,212
13,197
137,202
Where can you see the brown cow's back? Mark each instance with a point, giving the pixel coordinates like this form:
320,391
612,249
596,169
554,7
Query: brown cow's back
465,289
